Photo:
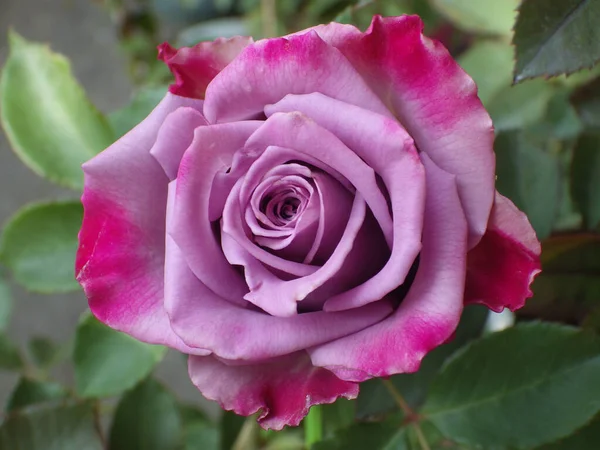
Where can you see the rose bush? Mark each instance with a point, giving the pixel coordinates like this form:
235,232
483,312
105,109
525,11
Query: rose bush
301,214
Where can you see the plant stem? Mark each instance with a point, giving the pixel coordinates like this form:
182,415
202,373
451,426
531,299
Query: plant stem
313,426
269,18
411,416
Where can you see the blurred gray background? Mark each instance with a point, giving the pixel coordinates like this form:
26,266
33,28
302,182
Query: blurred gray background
81,30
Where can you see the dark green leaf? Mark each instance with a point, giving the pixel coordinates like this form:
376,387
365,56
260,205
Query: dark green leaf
388,435
52,427
522,387
201,436
108,362
569,285
39,244
587,438
147,418
10,358
361,13
5,305
481,16
43,351
529,176
585,178
142,104
339,414
374,397
49,121
552,38
586,101
30,392
231,425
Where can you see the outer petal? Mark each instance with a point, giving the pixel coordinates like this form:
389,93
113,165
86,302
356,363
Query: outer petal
205,321
194,68
502,266
211,151
268,70
283,389
122,240
174,138
433,98
429,314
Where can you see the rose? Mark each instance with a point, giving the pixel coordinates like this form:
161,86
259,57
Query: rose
301,214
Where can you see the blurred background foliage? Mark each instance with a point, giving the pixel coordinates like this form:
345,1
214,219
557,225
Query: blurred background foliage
537,381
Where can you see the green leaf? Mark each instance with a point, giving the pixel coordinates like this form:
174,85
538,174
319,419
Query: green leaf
481,16
586,100
108,362
147,418
374,398
587,438
44,352
553,38
198,431
529,176
386,435
516,107
339,414
30,392
10,358
211,30
53,427
49,121
5,305
489,64
39,244
142,104
585,178
361,13
507,388
569,285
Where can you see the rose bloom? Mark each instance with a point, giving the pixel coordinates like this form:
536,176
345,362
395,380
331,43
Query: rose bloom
304,213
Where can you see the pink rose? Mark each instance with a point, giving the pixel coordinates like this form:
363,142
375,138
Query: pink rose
304,213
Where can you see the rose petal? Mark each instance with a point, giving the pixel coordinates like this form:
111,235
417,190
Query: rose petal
121,243
269,69
501,268
299,133
433,98
194,68
386,147
174,137
429,314
282,390
212,150
204,320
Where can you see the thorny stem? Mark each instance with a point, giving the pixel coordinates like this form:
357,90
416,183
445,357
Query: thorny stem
411,416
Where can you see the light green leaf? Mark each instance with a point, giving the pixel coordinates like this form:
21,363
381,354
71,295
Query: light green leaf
147,418
39,244
489,64
108,362
142,104
553,38
481,16
49,121
585,178
5,305
211,30
529,176
10,358
522,387
30,392
52,427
